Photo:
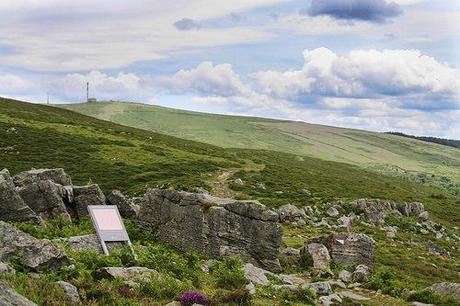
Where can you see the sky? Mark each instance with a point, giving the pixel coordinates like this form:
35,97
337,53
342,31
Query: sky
378,65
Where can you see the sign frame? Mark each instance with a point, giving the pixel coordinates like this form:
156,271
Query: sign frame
109,231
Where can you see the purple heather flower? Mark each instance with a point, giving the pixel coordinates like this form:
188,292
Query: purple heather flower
188,298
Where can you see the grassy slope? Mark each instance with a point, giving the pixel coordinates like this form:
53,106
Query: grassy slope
131,159
385,153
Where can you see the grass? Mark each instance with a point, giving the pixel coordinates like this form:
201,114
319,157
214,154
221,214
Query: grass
390,154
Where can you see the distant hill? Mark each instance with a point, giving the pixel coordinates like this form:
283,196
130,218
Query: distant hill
412,159
446,142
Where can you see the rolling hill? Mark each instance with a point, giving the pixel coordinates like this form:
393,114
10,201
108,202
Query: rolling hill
418,161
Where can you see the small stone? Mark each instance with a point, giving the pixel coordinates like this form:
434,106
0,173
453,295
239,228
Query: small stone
345,221
321,288
4,268
353,296
361,273
257,276
332,212
238,181
345,276
251,288
70,291
328,300
424,216
354,285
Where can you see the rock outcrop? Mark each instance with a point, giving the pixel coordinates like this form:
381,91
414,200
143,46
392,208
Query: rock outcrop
320,256
57,176
70,291
214,226
12,207
292,214
349,248
9,297
45,198
376,210
85,196
445,288
38,255
125,205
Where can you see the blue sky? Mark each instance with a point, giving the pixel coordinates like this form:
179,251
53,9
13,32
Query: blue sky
380,65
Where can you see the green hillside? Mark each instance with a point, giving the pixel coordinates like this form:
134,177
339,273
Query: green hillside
411,159
131,159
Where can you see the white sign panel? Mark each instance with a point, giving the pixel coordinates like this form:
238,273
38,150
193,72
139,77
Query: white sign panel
109,225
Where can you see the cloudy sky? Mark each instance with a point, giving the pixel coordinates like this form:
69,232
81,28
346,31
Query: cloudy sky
383,65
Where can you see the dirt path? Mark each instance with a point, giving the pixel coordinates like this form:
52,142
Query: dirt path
220,181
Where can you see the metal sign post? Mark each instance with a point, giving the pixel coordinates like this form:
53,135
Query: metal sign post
109,225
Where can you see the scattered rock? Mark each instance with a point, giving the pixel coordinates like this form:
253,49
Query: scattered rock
251,288
332,212
90,243
421,304
134,274
238,181
4,268
376,210
87,195
12,207
424,216
57,176
261,186
391,231
291,279
436,250
328,300
70,291
349,248
345,276
38,255
290,213
306,192
290,252
320,256
352,296
345,221
321,288
214,226
445,288
9,297
256,275
322,223
286,288
126,207
361,273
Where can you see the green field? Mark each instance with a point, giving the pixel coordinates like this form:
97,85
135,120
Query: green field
414,160
131,159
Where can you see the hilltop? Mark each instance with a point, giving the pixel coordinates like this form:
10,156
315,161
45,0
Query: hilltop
420,253
411,159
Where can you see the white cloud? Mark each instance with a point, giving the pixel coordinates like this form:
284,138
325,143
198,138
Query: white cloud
205,79
363,74
85,35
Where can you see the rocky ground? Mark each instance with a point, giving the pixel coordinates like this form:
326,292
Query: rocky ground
235,251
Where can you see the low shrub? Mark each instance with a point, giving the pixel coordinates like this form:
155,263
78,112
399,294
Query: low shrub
192,297
228,273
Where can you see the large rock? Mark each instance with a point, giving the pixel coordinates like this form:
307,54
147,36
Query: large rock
90,243
256,275
320,256
214,226
45,198
349,248
85,196
445,288
376,210
57,176
9,297
290,213
12,207
134,274
70,291
126,206
38,255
